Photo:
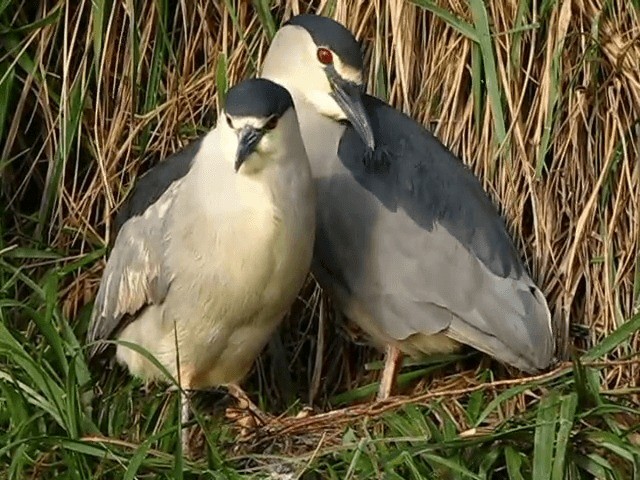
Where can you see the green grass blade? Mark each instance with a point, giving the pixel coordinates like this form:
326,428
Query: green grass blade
7,74
476,86
614,339
222,81
26,253
495,403
46,324
595,465
568,406
460,25
82,262
141,453
514,463
585,384
98,13
72,114
481,21
451,466
50,19
4,4
636,280
555,78
46,393
15,47
522,14
266,19
233,13
544,437
616,445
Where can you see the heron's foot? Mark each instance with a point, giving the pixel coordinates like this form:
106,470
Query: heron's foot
145,389
247,414
185,439
185,416
392,359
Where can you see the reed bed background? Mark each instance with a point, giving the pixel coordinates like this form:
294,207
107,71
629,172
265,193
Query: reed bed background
540,98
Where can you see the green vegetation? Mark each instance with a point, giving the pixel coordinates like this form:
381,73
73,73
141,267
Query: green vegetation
541,99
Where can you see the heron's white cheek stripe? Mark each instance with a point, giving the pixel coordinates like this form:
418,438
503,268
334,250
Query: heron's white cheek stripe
326,105
347,72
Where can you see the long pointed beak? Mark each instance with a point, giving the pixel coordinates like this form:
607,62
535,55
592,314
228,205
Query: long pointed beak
248,139
349,96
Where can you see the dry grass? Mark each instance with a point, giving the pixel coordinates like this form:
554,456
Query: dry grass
96,110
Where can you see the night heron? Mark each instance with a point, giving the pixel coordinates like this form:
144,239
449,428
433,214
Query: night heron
214,245
408,244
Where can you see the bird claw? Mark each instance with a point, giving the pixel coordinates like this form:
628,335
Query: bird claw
244,419
304,413
389,373
247,414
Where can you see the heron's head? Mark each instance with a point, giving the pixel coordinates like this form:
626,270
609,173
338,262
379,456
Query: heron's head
321,61
260,125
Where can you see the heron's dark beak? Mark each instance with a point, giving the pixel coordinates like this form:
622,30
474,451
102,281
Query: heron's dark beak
248,139
349,96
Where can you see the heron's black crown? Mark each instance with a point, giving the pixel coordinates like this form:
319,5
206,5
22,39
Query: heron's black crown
329,33
257,97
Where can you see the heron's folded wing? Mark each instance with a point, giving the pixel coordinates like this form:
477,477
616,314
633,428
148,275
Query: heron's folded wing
155,182
136,274
440,257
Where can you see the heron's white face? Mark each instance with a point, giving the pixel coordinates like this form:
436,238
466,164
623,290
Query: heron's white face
296,62
252,144
317,77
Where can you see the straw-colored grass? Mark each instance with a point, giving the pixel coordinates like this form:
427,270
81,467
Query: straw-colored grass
540,99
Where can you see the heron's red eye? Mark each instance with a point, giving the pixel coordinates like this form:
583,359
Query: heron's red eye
325,56
271,123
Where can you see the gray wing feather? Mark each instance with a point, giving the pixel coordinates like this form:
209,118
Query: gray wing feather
155,182
442,287
422,247
136,274
411,170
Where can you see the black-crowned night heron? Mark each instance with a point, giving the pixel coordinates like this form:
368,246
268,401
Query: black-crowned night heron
215,243
408,244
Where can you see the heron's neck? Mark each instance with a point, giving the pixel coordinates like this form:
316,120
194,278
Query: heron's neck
321,134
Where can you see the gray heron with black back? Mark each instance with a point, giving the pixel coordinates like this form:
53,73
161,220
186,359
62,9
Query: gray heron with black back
213,246
408,244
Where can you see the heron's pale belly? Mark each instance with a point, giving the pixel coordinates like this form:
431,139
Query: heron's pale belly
220,335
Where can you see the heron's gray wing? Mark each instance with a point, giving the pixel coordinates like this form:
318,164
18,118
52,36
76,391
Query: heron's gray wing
136,274
412,170
150,186
431,253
